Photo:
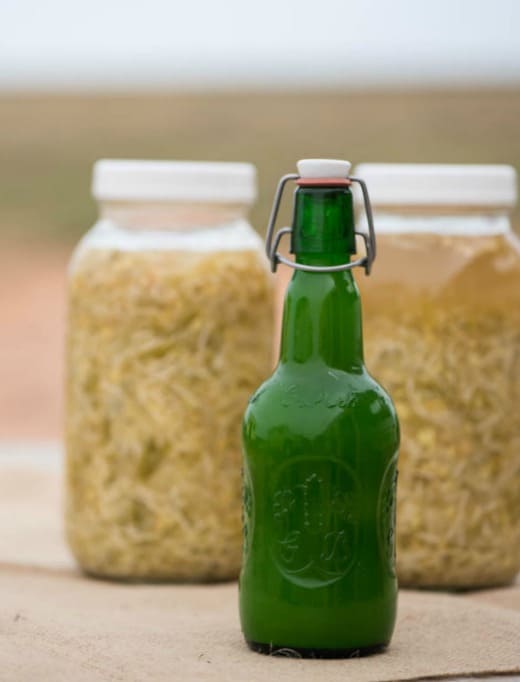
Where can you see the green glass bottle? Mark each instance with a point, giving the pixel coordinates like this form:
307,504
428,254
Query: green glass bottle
320,443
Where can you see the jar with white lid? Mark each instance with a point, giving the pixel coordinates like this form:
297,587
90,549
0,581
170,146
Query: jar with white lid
169,331
442,313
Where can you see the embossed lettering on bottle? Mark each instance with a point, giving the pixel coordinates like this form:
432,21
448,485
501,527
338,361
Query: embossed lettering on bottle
314,508
247,512
387,504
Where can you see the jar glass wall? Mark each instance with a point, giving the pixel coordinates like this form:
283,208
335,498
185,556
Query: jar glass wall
169,331
442,328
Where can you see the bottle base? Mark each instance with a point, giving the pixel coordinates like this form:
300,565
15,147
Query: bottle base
296,652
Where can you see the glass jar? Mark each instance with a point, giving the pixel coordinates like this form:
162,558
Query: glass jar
442,322
169,331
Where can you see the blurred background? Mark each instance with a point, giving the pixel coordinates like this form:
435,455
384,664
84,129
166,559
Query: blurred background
407,81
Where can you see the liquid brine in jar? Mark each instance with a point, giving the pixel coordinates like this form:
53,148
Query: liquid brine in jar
443,335
169,331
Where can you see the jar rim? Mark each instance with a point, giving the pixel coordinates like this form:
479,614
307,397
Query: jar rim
455,225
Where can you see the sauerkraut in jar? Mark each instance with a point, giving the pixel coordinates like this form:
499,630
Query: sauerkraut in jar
442,327
169,331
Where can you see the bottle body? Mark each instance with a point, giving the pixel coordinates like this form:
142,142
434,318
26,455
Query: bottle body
320,442
318,570
164,311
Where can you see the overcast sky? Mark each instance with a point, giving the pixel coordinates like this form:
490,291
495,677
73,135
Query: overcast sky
194,43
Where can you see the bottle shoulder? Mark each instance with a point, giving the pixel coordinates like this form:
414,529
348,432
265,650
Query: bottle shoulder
318,379
314,403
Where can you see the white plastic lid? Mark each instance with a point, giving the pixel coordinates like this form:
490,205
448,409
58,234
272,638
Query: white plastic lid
406,184
323,168
127,180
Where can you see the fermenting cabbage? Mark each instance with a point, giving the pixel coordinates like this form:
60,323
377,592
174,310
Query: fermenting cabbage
164,349
443,336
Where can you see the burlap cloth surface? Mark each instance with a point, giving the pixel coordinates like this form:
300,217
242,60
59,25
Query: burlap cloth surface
58,625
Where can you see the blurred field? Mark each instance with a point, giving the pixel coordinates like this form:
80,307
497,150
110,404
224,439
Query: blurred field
48,144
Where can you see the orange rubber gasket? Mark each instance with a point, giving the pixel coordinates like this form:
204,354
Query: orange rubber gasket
323,182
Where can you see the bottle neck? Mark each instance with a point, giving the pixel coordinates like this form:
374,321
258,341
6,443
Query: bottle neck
322,311
323,226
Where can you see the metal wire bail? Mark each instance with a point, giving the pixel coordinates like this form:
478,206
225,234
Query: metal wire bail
271,246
